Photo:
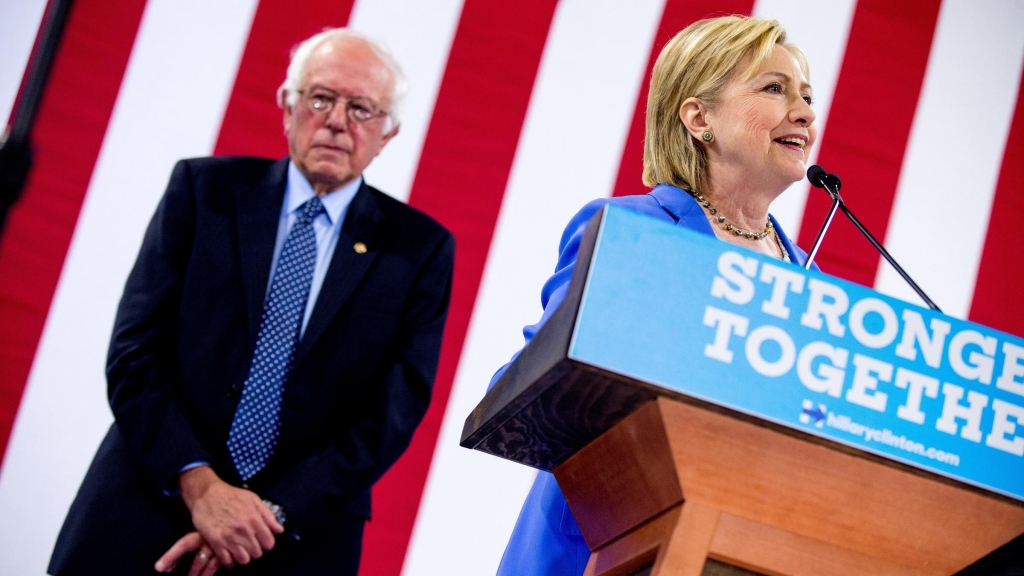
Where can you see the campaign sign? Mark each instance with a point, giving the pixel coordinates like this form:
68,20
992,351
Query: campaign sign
804,350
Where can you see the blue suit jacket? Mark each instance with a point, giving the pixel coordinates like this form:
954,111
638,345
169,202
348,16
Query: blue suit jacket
183,340
546,540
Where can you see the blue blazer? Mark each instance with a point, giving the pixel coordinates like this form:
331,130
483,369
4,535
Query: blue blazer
183,340
546,539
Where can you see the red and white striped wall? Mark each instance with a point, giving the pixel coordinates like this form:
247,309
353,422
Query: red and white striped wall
519,114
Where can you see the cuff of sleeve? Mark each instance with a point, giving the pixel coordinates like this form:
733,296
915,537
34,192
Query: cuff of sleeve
175,490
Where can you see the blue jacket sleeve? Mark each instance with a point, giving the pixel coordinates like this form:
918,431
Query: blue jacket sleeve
554,290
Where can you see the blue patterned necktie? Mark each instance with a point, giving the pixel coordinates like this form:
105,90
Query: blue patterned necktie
254,429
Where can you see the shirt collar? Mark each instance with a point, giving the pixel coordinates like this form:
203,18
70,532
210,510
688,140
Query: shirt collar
298,190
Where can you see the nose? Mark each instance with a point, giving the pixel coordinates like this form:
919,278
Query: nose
801,112
337,119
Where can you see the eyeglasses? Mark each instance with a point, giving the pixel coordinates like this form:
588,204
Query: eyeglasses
358,108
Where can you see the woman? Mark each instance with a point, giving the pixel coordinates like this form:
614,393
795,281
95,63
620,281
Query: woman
729,128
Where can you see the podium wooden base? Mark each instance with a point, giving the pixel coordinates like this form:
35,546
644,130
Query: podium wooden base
673,484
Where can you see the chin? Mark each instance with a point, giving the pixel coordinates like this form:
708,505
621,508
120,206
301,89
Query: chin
781,181
796,173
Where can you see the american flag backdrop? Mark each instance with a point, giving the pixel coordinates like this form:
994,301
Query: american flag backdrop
520,112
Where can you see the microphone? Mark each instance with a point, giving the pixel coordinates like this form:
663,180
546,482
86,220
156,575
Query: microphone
831,184
819,178
816,175
834,182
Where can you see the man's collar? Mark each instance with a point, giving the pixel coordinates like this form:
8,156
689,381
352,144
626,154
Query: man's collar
298,190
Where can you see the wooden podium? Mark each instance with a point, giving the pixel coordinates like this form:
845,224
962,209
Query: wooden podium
673,484
660,479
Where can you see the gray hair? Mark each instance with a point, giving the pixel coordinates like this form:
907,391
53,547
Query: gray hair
288,93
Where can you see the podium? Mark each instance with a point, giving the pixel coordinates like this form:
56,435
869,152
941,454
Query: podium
690,408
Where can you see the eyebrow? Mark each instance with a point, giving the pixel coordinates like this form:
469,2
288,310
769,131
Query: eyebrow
321,87
337,94
788,78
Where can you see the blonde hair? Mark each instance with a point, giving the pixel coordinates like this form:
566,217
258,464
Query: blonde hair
698,62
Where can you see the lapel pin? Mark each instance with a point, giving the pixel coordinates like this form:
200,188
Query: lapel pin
359,247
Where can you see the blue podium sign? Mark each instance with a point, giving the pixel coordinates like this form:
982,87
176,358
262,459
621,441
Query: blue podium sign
804,350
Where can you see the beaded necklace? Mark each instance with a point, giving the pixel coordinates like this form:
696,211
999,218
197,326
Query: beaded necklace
728,226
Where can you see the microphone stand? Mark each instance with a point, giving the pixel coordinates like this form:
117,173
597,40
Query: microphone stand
824,227
15,146
885,253
831,183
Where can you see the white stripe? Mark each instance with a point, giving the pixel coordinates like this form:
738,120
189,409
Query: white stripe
401,24
569,153
821,30
19,23
176,86
954,153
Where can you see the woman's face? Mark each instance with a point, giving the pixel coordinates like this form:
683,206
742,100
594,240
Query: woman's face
764,127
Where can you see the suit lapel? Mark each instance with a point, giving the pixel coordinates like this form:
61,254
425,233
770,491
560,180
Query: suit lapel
797,255
259,211
683,208
363,234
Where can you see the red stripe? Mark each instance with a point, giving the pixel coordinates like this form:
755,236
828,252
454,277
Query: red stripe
70,126
678,14
463,170
1000,275
252,121
868,127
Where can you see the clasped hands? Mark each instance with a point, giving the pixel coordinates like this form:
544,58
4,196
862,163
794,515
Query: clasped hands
233,525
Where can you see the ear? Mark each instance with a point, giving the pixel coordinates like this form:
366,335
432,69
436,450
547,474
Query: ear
288,117
694,115
387,137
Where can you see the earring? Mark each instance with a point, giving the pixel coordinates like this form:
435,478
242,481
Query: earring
708,136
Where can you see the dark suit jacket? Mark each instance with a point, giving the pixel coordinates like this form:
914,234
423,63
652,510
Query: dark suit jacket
183,340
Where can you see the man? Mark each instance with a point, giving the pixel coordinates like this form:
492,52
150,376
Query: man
274,348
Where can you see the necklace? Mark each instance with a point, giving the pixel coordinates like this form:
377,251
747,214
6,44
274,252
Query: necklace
726,225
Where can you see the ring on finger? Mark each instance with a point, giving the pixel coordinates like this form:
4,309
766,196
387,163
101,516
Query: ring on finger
204,556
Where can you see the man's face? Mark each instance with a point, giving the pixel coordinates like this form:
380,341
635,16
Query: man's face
330,149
